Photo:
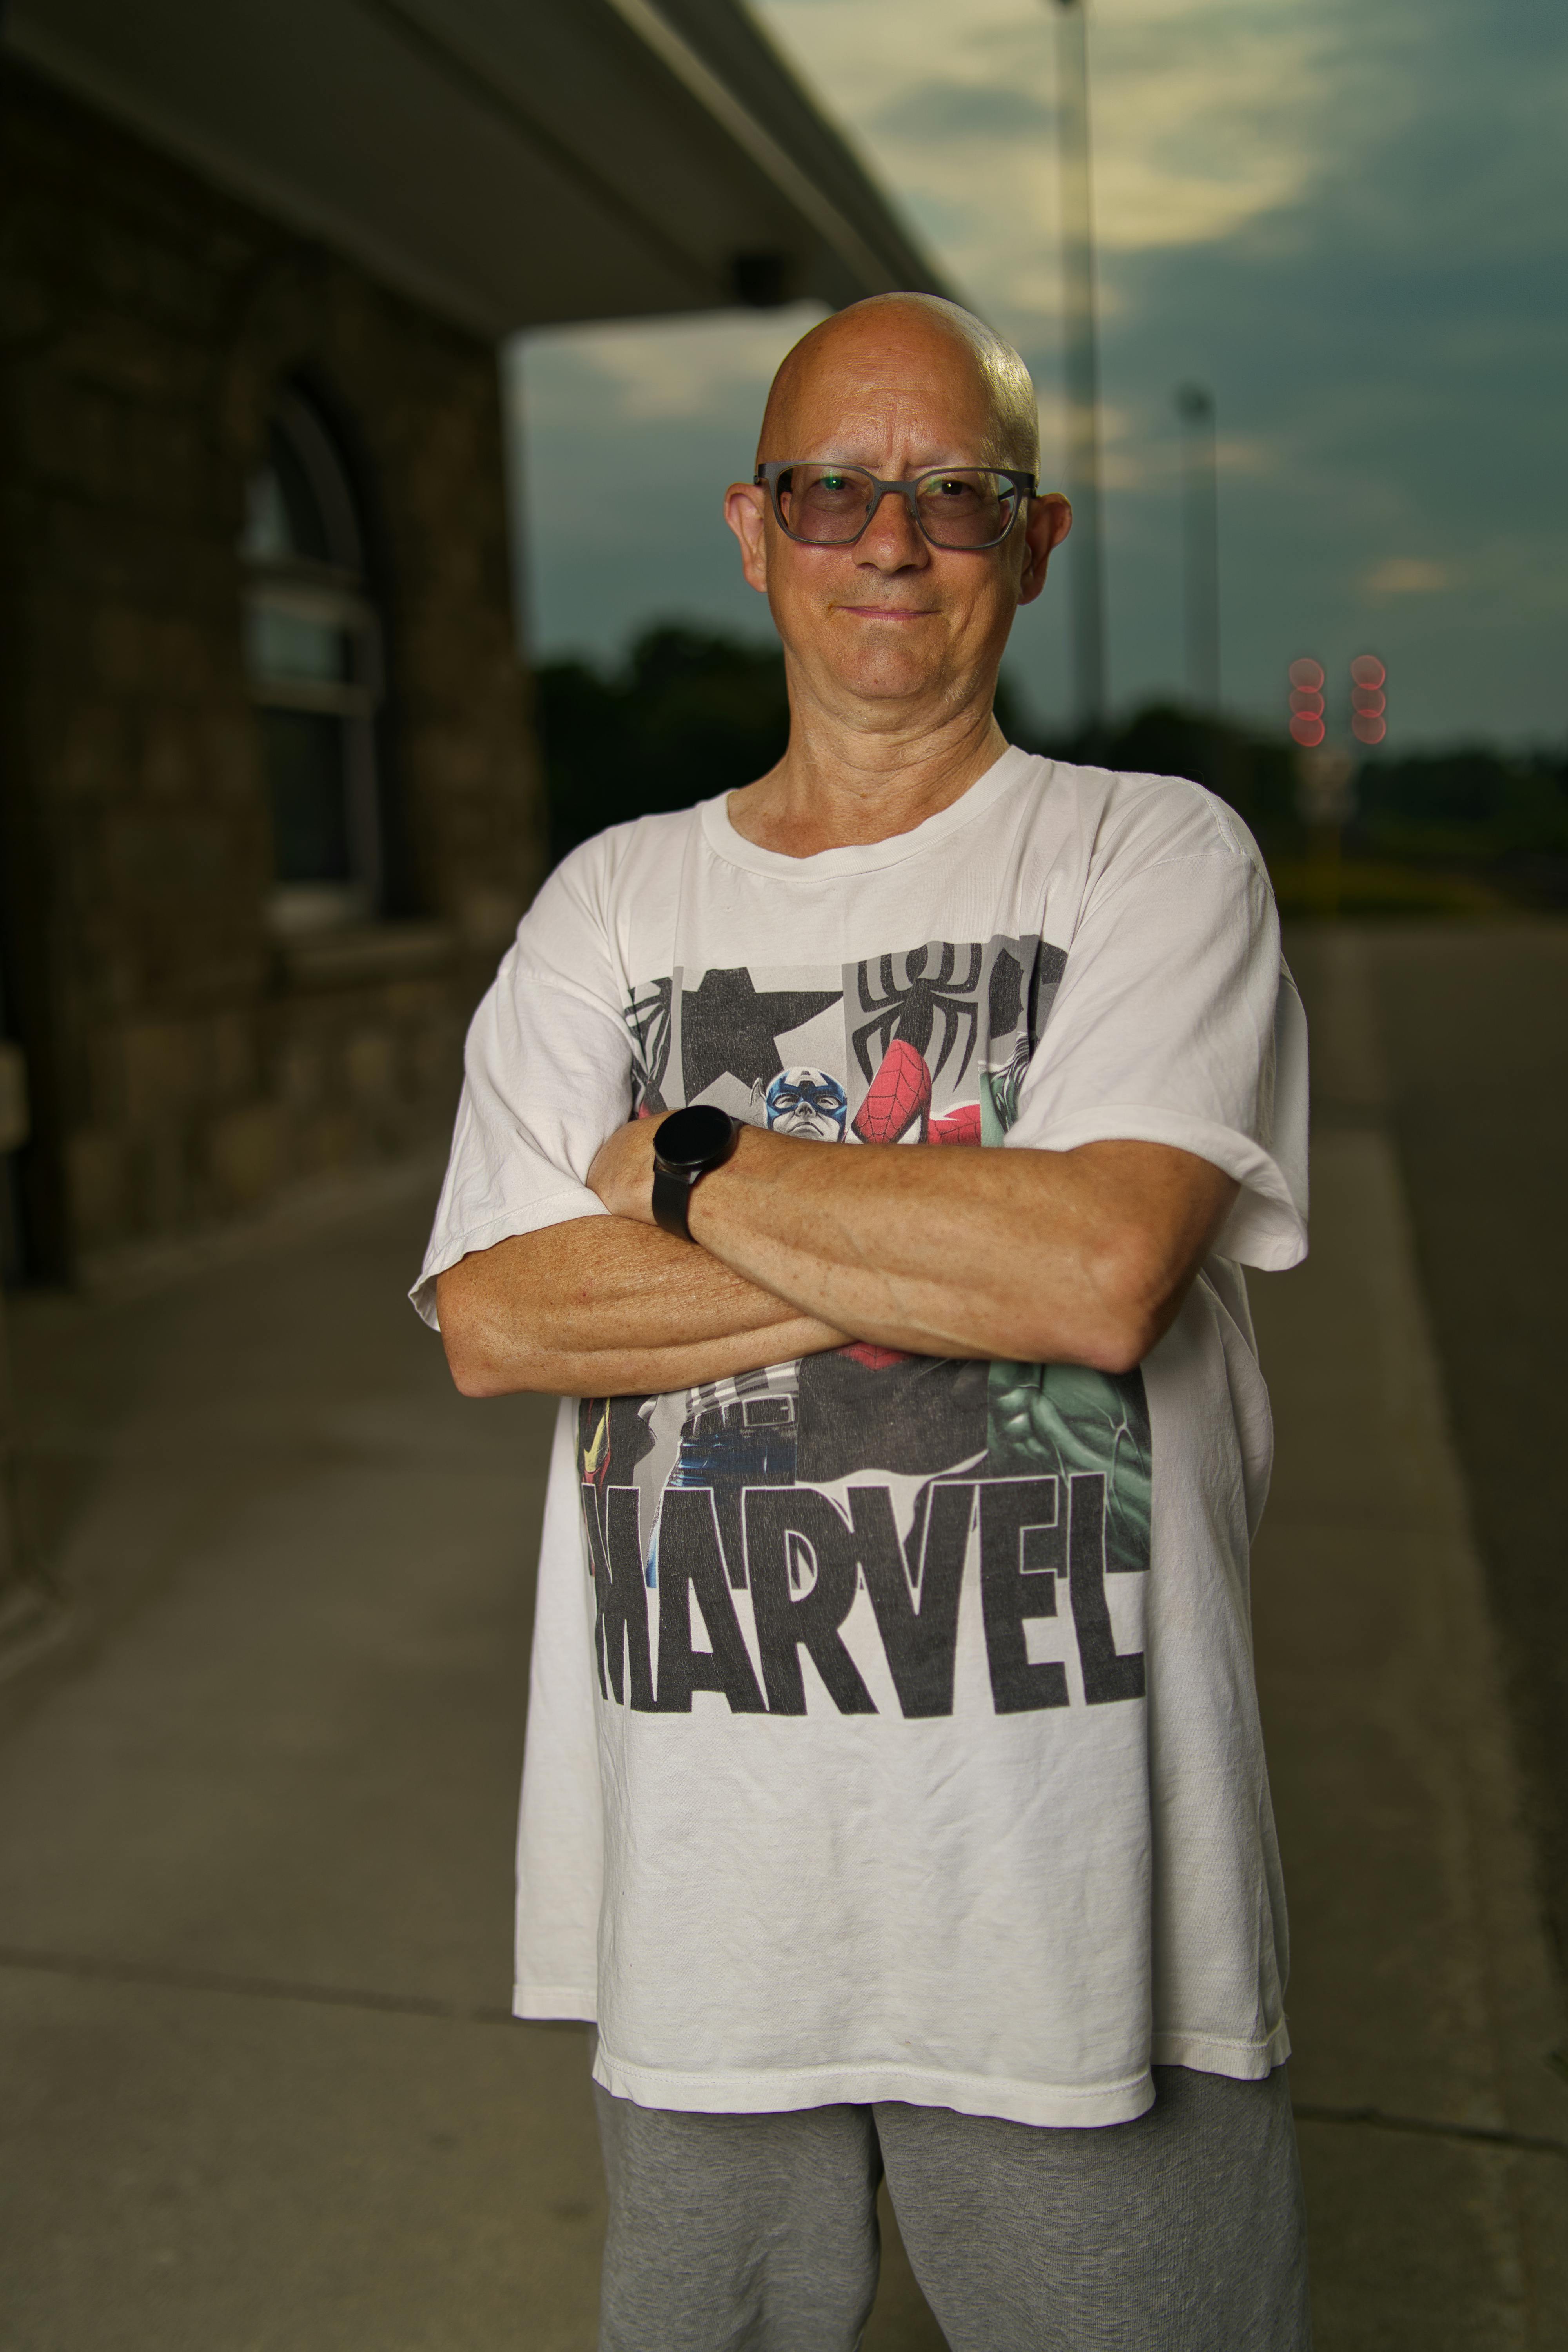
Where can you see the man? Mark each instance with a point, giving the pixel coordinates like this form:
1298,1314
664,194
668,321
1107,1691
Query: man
895,1796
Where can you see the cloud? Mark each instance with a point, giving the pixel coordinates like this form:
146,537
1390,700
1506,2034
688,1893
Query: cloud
954,112
1409,575
662,368
1203,115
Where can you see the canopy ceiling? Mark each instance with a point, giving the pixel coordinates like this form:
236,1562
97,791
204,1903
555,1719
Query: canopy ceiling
511,163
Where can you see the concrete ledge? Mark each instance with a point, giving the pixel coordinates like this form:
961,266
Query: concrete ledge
367,952
139,1268
34,1621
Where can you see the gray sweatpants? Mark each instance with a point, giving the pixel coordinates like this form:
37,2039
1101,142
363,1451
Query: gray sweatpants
1182,2232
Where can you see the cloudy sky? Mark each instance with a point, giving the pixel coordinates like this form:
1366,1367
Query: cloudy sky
1348,218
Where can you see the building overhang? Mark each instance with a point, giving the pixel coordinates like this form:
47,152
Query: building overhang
509,163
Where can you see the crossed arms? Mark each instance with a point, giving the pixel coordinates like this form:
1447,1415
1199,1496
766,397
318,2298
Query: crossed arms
1080,1256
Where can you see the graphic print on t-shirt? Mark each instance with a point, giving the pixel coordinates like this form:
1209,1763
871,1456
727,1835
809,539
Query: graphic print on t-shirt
841,1512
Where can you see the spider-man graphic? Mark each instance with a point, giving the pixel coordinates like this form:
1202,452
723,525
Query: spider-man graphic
902,1021
647,1016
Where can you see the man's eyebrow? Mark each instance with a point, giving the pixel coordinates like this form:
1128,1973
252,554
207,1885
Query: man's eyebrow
866,465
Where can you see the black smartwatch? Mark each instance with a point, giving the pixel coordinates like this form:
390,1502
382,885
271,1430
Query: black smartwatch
686,1147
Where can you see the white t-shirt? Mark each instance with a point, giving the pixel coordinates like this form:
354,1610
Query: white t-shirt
892,1731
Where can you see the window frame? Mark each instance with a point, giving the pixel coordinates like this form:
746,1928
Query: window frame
336,595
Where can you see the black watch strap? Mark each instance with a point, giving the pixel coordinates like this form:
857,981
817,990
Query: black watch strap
687,1146
672,1200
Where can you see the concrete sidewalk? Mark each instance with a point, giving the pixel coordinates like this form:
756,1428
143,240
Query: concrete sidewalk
261,2094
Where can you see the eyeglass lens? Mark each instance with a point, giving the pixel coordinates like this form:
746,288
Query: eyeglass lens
829,505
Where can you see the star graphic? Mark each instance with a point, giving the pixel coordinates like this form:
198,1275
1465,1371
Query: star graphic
728,1025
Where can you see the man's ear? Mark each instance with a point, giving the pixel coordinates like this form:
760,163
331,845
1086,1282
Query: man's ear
745,511
1047,524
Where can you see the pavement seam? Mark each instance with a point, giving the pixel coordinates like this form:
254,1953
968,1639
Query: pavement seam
149,1972
1376,2119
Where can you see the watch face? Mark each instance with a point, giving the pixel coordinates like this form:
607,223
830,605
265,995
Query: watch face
695,1138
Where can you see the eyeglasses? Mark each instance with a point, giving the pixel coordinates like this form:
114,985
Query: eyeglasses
829,506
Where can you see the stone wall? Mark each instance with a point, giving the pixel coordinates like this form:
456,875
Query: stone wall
186,1067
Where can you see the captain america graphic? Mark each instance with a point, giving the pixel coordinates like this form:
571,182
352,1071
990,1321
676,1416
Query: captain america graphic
808,1103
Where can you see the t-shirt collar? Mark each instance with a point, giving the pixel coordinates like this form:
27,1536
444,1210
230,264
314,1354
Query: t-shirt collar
868,857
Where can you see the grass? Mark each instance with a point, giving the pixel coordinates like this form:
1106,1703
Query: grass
1327,887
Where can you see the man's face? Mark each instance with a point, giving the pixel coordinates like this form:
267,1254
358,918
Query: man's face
891,620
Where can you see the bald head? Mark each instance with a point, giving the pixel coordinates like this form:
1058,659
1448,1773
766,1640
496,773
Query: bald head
904,330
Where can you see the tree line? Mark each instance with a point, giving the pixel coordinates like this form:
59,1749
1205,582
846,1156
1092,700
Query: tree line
693,712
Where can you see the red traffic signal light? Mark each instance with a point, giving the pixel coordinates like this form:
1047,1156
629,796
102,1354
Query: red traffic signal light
1368,701
1307,702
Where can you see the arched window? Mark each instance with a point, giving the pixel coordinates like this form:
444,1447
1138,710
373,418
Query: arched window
313,653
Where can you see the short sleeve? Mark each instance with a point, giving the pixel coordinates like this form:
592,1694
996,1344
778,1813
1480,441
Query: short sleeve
1177,1022
547,1077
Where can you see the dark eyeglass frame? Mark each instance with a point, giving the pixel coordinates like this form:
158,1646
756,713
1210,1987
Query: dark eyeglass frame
1025,487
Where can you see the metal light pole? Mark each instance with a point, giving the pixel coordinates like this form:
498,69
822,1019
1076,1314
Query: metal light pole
1082,365
1200,546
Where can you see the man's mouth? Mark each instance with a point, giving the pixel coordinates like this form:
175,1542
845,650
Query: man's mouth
888,612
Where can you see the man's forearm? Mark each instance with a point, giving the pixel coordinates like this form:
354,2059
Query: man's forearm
1079,1257
603,1306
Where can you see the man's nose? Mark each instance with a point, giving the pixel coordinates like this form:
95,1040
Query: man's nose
892,540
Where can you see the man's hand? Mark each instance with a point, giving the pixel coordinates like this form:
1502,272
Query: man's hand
604,1306
622,1172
